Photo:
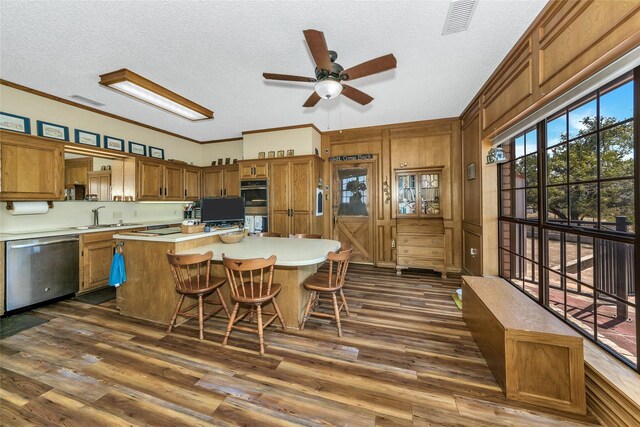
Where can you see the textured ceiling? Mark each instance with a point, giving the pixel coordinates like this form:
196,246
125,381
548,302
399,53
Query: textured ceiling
214,53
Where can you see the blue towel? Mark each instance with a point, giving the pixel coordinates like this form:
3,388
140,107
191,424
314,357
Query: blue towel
118,275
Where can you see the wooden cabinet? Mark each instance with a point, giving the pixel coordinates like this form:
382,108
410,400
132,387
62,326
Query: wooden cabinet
219,181
31,168
75,170
420,239
292,195
192,183
99,183
159,181
96,254
251,169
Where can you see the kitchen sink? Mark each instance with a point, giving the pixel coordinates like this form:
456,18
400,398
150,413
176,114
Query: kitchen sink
94,227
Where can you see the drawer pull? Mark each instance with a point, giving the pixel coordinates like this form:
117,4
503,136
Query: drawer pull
405,251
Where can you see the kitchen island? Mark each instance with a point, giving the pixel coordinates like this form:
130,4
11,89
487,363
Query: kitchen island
149,292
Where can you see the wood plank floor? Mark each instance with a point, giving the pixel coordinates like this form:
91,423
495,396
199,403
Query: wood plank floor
406,358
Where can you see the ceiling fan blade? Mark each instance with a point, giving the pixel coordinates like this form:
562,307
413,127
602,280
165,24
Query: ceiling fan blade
287,77
312,100
318,46
356,95
373,66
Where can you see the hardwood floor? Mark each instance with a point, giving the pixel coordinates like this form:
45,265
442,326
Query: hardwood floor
406,358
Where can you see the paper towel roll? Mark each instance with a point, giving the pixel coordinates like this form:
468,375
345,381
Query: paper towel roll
29,208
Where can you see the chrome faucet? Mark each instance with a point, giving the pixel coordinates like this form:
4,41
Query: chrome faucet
96,218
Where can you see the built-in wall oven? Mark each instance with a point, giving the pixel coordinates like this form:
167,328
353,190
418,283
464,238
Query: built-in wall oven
256,204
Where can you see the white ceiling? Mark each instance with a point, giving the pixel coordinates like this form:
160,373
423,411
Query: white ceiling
214,53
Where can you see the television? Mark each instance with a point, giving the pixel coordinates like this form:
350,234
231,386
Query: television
222,209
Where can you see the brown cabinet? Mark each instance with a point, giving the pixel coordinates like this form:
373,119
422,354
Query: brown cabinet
159,181
31,168
192,183
292,195
420,239
219,181
251,169
96,254
99,183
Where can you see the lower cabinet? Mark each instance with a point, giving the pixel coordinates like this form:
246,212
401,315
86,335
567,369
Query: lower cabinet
420,244
96,254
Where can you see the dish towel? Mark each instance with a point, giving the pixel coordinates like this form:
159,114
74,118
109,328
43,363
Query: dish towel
118,275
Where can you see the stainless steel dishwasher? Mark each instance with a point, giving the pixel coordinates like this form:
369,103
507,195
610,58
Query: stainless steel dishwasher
41,269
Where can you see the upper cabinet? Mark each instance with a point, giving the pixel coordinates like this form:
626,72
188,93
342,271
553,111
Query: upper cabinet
158,181
252,169
220,181
31,168
417,193
192,183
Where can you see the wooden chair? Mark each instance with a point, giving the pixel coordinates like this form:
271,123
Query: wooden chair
192,276
330,283
251,282
269,234
308,236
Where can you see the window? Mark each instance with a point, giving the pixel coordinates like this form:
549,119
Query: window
567,235
353,191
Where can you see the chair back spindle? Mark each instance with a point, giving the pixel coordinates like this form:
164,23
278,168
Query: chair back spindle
338,265
190,272
250,278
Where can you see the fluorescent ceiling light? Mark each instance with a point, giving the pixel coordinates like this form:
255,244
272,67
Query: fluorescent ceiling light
145,90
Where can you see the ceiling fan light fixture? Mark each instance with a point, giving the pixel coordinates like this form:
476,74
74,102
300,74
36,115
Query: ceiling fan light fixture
328,88
142,89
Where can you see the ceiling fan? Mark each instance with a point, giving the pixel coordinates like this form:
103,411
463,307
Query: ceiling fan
330,75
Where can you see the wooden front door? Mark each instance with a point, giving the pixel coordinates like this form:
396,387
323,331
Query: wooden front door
353,193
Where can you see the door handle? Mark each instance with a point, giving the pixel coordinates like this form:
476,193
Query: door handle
225,191
161,190
221,192
165,191
185,192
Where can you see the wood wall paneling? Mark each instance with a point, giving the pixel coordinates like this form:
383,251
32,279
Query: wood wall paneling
425,143
510,92
573,35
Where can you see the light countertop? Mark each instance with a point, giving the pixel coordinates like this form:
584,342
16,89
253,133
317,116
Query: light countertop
66,231
173,238
290,252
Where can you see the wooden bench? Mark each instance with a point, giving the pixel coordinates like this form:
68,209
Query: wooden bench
534,357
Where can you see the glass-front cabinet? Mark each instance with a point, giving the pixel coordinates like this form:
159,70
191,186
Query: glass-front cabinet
417,192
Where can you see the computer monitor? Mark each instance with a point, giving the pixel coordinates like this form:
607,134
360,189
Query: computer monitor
222,209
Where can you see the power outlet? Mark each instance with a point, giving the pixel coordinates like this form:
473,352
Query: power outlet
135,213
117,214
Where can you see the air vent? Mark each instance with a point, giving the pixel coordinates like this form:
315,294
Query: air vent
459,16
87,101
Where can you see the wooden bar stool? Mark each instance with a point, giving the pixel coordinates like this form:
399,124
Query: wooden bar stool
269,234
308,236
192,275
251,286
330,283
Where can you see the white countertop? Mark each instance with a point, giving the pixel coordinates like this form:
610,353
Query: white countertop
290,252
67,231
173,238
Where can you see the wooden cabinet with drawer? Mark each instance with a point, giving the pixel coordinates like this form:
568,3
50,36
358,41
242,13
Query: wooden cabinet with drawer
420,244
420,239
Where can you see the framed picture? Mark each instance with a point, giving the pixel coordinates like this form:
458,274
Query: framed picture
113,143
156,153
135,148
471,171
87,138
261,155
227,161
15,123
271,154
280,153
52,130
290,152
219,162
235,161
